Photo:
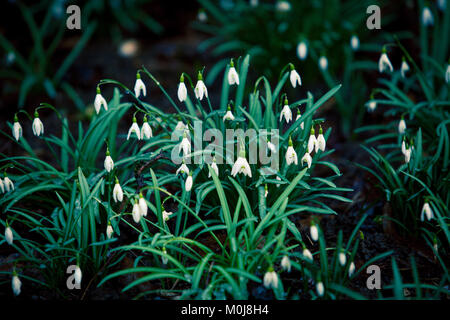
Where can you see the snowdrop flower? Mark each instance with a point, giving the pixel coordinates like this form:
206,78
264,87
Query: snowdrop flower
182,91
143,208
294,77
229,115
271,279
403,146
312,141
401,126
286,112
354,42
233,77
99,101
17,128
351,269
183,168
426,212
320,143
146,130
164,259
314,231
214,167
307,158
320,289
185,145
117,192
384,63
266,191
323,63
109,163
291,155
166,214
254,3
271,147
77,275
302,50
342,258
241,165
201,16
371,105
286,263
407,155
302,125
307,254
447,74
441,4
2,186
16,284
109,231
37,126
134,128
404,68
427,17
189,182
8,184
200,89
283,6
139,87
136,212
9,237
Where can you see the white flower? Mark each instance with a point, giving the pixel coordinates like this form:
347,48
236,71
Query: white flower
441,4
447,74
134,128
354,42
201,16
371,105
283,6
233,77
185,145
320,289
182,91
183,169
407,155
77,275
320,142
139,87
229,115
143,208
314,232
312,141
307,255
16,284
146,130
266,191
291,155
2,186
166,215
109,231
37,126
271,147
17,129
181,126
9,185
241,166
286,263
403,146
254,3
9,237
99,101
302,50
164,259
342,258
200,88
404,68
117,192
189,182
384,63
109,163
295,77
286,112
214,167
427,17
307,158
271,279
351,269
401,126
323,63
136,212
426,212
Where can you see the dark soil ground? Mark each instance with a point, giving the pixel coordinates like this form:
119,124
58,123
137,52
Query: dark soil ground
166,57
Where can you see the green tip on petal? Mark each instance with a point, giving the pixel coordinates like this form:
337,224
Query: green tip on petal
199,76
231,63
36,114
291,66
229,108
242,152
286,101
312,131
134,119
182,78
145,118
270,269
98,90
265,187
117,180
384,50
138,75
140,195
107,152
290,142
320,130
16,118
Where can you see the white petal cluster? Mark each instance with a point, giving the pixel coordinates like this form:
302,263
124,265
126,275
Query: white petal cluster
233,77
9,237
286,112
307,254
108,163
384,63
166,215
139,87
241,166
37,126
185,145
286,263
214,167
146,130
427,212
109,231
134,128
314,232
323,63
117,192
16,284
17,129
302,50
291,155
404,69
143,207
77,275
354,42
136,212
189,182
271,279
182,91
200,88
371,105
228,115
308,159
427,17
295,77
401,126
99,101
320,289
342,258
